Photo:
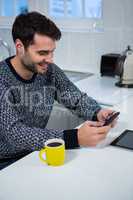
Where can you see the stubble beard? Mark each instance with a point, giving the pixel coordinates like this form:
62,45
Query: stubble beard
29,66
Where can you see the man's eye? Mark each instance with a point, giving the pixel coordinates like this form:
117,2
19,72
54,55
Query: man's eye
44,53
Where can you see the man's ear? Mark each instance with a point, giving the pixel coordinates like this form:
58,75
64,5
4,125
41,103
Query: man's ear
19,47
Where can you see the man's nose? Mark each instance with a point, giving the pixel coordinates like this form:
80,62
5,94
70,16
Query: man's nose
49,58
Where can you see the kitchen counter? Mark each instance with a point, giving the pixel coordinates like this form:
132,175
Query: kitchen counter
75,76
103,89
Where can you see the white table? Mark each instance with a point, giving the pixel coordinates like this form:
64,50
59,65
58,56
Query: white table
88,174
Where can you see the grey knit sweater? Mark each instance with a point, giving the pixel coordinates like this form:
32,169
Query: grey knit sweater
25,107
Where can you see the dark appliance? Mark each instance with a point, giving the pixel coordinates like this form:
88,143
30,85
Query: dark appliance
108,64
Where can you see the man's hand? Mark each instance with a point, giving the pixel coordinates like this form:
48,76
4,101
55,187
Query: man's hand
103,114
91,133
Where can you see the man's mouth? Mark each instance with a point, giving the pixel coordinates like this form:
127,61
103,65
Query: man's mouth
43,65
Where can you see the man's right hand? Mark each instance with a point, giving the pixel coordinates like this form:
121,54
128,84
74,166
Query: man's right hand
91,133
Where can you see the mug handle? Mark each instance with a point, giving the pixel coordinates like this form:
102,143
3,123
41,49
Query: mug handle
40,155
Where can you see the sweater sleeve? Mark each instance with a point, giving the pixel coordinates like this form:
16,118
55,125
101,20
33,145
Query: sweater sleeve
72,98
16,137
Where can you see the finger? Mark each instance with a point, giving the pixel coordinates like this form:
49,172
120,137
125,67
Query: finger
94,123
102,130
105,114
113,124
108,112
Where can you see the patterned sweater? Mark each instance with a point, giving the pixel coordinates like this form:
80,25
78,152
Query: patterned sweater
25,107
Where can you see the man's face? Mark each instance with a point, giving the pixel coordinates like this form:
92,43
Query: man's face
38,55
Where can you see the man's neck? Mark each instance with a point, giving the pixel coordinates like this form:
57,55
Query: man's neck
20,69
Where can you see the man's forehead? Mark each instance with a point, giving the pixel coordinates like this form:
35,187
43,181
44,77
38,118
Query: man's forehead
43,44
39,37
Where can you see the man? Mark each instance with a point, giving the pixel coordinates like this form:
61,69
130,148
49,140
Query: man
29,84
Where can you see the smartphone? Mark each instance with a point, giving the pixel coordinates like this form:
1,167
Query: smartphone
110,118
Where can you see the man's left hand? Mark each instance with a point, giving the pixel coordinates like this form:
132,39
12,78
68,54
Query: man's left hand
103,114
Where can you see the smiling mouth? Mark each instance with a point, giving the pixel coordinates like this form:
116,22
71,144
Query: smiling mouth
43,65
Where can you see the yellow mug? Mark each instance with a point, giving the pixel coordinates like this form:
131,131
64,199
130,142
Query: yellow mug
54,151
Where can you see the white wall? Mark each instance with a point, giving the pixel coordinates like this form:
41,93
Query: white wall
82,51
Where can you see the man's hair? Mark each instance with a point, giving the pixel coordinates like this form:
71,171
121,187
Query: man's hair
27,25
